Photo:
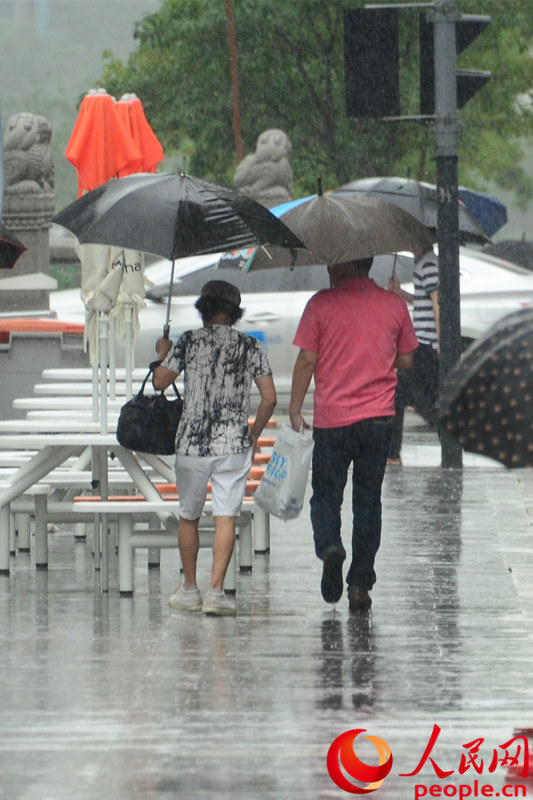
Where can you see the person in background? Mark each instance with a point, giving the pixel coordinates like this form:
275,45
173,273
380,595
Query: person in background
419,386
352,338
214,441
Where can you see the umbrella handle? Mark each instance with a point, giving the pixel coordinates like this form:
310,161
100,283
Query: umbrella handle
166,327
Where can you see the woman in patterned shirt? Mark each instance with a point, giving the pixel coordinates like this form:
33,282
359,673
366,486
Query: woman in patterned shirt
214,441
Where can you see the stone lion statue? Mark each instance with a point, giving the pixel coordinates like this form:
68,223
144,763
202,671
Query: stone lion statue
266,175
28,164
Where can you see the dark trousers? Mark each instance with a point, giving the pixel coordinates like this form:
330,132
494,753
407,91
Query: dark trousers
418,387
365,445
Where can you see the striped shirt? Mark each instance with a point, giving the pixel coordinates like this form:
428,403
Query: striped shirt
426,281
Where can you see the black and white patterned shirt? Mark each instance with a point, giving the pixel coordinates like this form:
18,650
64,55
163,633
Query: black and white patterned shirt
219,365
426,281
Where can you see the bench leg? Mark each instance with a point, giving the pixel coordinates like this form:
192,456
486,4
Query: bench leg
261,531
105,541
97,544
5,533
154,553
125,556
245,541
12,535
22,526
41,532
80,531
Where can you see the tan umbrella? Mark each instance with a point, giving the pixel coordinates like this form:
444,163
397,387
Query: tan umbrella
339,228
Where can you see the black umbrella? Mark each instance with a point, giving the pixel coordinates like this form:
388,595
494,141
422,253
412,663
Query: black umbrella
417,198
11,248
172,216
487,399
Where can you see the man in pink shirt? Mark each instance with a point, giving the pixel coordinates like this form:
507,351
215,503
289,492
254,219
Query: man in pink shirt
352,338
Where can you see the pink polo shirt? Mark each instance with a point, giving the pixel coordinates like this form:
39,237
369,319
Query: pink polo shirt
357,329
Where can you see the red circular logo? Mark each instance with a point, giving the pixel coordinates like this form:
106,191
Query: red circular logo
352,774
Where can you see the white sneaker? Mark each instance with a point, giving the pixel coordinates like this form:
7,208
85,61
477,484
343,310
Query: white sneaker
218,605
185,600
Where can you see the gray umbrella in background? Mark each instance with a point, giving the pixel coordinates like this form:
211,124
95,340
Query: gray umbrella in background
417,198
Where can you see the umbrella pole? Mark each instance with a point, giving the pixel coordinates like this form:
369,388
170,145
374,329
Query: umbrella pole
96,389
166,329
112,360
128,323
103,325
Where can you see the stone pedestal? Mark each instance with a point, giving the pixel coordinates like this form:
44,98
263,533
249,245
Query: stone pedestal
28,216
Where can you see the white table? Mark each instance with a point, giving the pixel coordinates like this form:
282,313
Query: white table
53,449
18,427
85,374
55,403
78,389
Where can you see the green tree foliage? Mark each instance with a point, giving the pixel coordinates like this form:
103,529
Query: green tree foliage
291,73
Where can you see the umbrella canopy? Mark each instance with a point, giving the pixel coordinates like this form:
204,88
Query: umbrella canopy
254,258
172,216
101,145
418,199
131,111
250,260
487,399
337,228
11,248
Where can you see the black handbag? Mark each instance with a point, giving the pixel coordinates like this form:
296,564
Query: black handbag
148,423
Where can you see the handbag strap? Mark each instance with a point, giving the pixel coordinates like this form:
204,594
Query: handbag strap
151,372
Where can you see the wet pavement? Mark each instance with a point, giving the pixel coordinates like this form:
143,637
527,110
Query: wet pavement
125,699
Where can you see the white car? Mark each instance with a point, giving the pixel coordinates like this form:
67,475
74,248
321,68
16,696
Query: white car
274,300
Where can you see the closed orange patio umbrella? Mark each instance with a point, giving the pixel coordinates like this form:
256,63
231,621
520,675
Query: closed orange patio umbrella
101,145
131,111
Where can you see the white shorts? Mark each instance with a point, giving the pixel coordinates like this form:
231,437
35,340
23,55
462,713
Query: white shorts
228,475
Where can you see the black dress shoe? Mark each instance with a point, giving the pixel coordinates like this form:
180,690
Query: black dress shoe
358,599
331,585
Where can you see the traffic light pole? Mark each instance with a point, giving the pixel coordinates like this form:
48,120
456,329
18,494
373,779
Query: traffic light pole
446,147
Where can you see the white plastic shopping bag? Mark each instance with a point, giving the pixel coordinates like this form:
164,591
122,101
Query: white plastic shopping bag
281,489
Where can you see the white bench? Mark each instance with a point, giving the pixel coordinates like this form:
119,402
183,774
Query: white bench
128,512
37,495
55,503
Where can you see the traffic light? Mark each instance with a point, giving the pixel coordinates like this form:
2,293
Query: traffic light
467,28
371,58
